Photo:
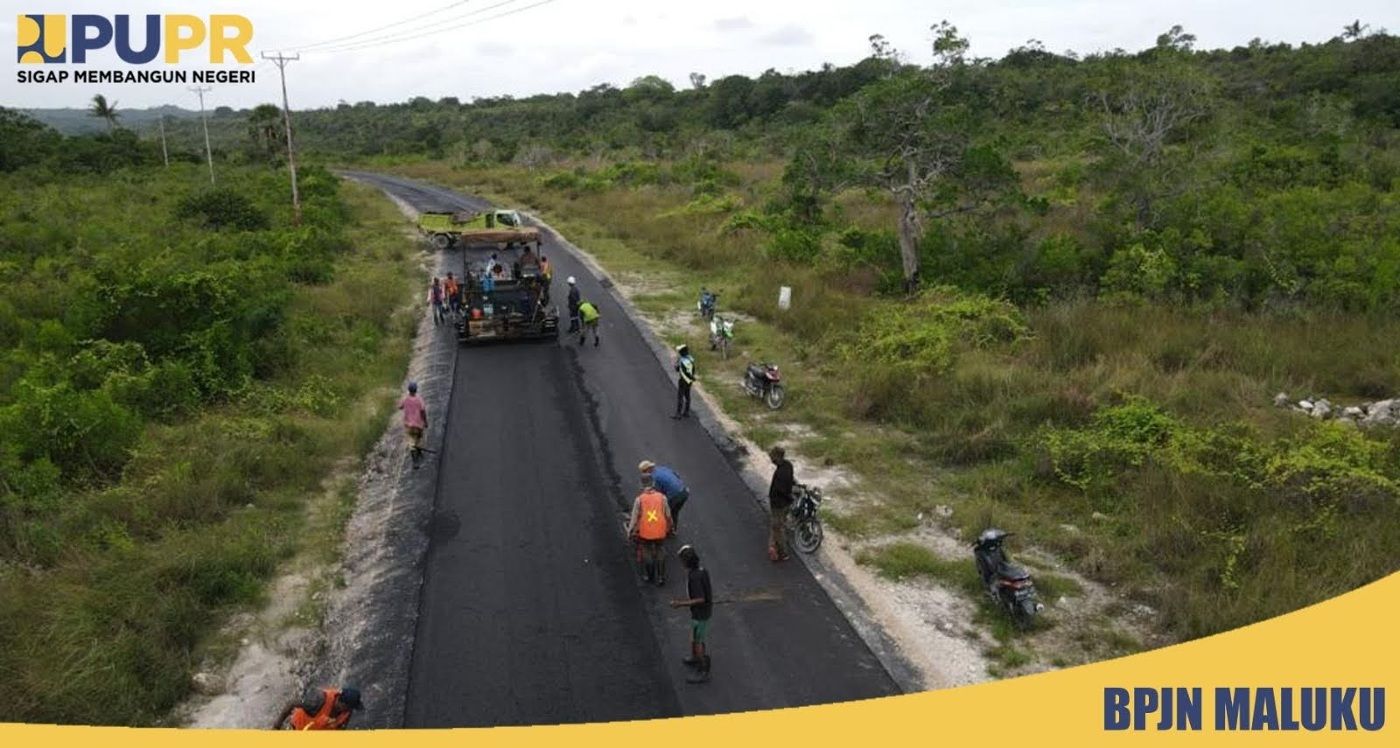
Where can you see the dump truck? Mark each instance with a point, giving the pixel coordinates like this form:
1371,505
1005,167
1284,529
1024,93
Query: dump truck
492,228
506,307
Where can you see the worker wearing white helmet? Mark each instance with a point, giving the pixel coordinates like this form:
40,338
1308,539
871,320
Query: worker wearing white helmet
573,306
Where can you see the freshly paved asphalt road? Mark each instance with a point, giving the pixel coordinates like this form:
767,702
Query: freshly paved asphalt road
531,612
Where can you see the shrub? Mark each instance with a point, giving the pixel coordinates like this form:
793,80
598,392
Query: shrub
221,208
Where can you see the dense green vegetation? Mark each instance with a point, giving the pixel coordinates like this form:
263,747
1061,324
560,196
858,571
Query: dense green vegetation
1104,309
181,369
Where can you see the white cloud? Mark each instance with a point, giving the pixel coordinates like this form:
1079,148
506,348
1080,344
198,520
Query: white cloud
737,23
787,36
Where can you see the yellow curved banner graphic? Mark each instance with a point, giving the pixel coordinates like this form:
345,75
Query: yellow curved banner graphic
1319,676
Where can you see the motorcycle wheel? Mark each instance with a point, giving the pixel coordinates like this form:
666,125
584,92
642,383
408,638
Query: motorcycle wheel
775,397
1025,612
807,536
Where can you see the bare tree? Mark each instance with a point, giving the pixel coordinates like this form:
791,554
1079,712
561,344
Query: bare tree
1145,108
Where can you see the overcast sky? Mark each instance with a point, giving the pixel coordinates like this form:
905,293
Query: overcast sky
569,45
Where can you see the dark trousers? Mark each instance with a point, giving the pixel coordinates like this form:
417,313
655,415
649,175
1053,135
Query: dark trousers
676,502
682,398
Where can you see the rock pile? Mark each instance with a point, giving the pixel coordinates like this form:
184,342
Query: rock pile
1379,413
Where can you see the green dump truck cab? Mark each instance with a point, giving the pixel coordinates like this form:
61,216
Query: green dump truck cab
494,228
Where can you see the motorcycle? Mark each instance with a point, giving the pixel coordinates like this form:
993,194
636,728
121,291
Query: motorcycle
765,383
721,335
707,303
1010,586
803,526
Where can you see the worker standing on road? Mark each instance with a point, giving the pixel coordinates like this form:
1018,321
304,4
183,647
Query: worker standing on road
547,273
589,314
573,305
685,367
454,297
670,485
435,300
415,422
779,503
330,712
648,527
701,600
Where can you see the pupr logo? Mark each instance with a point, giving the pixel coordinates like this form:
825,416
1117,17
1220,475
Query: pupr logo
46,38
43,38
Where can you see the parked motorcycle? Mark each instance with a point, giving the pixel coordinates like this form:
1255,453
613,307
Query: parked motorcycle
804,528
765,383
721,335
1009,585
707,302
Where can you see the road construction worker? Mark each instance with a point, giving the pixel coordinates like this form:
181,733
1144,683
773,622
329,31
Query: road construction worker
436,300
453,292
648,527
415,422
573,305
547,273
589,314
700,599
685,368
779,504
670,485
330,711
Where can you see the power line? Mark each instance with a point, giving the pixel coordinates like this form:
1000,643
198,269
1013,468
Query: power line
281,60
394,39
377,29
423,30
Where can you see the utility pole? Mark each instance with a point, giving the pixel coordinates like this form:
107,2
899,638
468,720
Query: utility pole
281,61
164,152
208,152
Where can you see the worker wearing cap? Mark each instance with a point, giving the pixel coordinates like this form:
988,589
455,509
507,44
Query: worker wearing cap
329,712
700,599
648,528
685,368
573,305
670,485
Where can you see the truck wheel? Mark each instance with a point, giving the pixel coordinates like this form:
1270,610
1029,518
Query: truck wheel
442,241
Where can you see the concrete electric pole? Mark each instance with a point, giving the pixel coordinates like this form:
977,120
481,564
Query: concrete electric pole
281,62
208,152
164,152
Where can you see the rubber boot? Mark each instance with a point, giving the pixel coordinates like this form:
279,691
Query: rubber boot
702,674
695,657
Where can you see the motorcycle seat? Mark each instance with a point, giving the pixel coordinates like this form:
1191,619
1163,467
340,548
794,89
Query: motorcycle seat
1012,572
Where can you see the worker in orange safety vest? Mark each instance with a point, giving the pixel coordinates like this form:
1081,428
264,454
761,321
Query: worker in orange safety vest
331,712
648,527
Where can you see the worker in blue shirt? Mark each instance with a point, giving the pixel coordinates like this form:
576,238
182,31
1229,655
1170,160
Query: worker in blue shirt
668,483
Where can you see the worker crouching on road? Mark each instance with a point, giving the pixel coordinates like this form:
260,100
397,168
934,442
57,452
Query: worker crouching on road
330,712
648,527
700,599
669,483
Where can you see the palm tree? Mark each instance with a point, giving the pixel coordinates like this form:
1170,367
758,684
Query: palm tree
102,110
263,122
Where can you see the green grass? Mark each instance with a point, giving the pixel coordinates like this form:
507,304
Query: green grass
1210,550
210,506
